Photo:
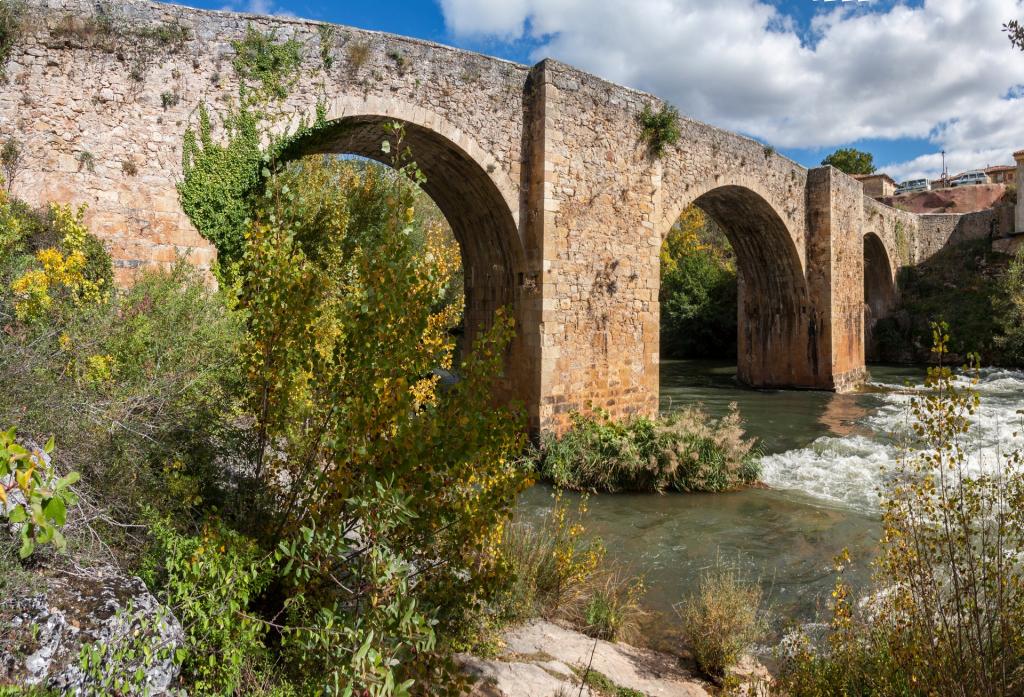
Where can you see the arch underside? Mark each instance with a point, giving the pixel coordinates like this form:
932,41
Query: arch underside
777,332
471,203
492,253
879,289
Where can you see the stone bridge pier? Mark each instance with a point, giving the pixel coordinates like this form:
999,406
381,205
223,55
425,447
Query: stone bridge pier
557,203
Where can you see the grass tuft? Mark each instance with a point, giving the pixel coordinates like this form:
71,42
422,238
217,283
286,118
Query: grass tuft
723,619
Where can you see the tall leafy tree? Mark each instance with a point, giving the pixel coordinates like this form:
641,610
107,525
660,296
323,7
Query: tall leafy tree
851,161
388,490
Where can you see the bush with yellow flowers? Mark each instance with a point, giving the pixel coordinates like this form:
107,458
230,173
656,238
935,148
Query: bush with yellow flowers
76,272
363,462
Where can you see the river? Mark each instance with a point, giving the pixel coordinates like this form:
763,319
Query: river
823,454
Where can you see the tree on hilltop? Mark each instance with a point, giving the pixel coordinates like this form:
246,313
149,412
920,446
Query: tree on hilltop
851,161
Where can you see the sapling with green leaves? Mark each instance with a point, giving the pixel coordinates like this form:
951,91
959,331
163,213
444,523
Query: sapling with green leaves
33,496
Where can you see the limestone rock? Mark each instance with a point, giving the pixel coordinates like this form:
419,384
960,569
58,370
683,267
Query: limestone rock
543,659
46,630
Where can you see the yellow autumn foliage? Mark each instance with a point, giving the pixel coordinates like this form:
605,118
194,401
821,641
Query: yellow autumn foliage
62,273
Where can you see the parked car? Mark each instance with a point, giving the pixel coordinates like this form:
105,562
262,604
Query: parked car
909,187
971,178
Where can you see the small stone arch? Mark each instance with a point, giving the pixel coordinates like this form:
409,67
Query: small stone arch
880,293
777,329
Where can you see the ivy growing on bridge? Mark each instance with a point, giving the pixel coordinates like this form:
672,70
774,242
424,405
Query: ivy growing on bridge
220,178
267,69
11,15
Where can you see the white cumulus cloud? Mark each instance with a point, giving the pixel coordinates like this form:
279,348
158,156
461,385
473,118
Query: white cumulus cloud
942,71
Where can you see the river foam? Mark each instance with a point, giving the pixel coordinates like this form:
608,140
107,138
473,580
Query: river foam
847,471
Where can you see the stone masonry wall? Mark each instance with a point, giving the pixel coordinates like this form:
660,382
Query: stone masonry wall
86,103
606,208
912,239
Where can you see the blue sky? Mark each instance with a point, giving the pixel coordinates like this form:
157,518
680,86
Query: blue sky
901,79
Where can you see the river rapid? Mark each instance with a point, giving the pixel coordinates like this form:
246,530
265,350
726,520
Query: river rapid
823,458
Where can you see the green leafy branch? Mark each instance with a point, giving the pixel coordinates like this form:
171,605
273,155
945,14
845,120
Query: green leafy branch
31,493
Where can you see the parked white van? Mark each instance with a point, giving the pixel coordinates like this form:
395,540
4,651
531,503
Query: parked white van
971,178
912,185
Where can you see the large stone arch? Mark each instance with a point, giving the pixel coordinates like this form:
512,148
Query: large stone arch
775,341
476,197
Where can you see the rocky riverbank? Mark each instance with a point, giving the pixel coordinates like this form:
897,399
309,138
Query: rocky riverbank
543,659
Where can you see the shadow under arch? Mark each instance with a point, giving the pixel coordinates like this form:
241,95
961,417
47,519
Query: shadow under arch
777,332
477,210
879,288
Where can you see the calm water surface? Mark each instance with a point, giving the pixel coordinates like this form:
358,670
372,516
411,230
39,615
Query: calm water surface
823,453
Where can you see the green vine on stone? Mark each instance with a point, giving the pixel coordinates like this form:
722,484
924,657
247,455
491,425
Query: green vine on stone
659,129
222,176
327,39
219,179
11,24
902,242
267,69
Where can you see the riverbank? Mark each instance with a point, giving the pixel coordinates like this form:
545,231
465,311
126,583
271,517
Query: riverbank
542,658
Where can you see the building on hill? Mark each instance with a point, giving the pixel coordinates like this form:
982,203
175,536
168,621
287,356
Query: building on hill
1002,174
877,185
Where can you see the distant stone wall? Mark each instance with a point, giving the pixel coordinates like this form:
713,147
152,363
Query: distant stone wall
898,231
940,231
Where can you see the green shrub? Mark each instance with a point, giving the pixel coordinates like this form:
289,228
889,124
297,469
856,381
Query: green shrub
33,691
600,684
69,270
559,573
659,129
612,611
722,620
33,496
551,561
141,388
209,581
12,15
354,437
683,451
118,663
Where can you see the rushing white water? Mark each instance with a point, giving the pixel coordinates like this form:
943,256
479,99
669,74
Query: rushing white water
848,471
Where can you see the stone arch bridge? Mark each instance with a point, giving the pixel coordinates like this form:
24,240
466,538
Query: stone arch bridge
558,207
